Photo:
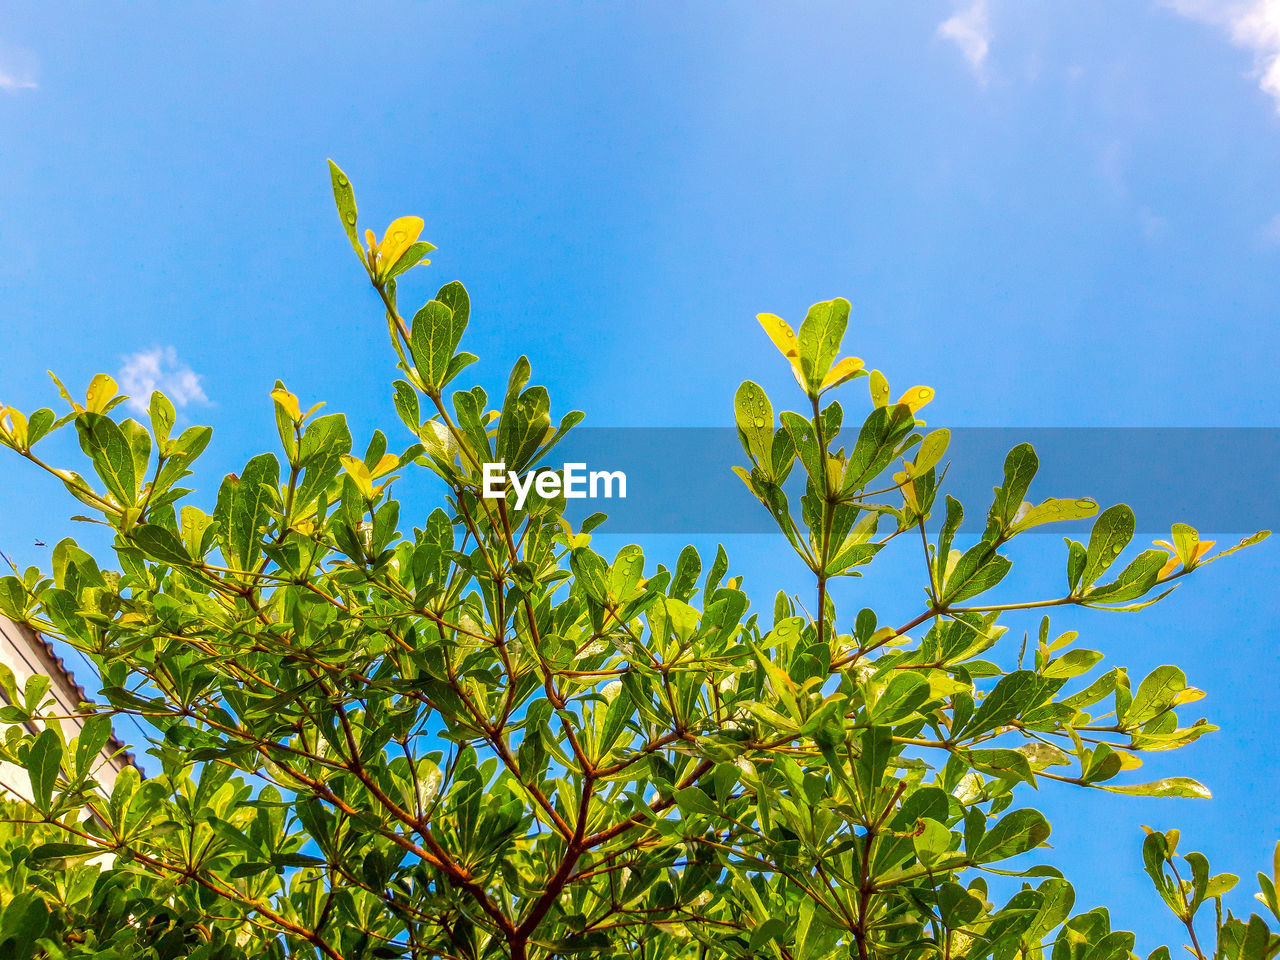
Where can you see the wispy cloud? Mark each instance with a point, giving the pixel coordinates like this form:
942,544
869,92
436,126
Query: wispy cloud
17,69
970,30
159,369
12,84
1269,232
1253,25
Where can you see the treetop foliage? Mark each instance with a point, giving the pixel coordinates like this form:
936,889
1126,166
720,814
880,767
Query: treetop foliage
470,735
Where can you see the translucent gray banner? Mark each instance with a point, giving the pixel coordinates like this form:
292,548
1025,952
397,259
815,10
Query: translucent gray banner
678,480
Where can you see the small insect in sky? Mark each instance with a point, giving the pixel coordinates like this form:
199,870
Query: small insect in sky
39,543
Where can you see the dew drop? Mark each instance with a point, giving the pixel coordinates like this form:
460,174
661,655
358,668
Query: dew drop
759,422
351,219
343,182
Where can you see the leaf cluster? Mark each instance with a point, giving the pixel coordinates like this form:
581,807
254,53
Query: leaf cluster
470,735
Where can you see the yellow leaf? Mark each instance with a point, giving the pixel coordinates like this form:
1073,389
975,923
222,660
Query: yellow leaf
907,487
784,338
835,472
1063,640
916,397
439,441
1187,695
1172,565
1128,761
780,332
879,388
398,238
883,635
101,389
288,402
359,473
384,466
841,372
66,394
16,427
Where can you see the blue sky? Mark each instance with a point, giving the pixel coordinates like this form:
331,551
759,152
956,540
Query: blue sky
1056,215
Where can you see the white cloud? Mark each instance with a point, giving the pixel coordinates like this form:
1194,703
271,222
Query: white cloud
159,369
12,84
17,69
1253,25
970,30
1153,226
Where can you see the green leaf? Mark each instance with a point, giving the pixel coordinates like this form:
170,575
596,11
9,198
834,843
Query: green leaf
805,440
978,570
454,296
903,695
1005,764
685,581
933,843
1055,510
39,425
879,442
243,510
433,338
159,543
1134,581
63,851
1220,884
1013,694
522,427
1112,532
248,869
1020,467
1076,558
819,339
1016,833
877,748
591,572
410,258
94,736
1168,787
163,416
1155,694
43,762
754,415
345,199
325,442
406,400
182,453
932,449
1248,541
139,441
197,531
1071,664
957,905
104,443
693,800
